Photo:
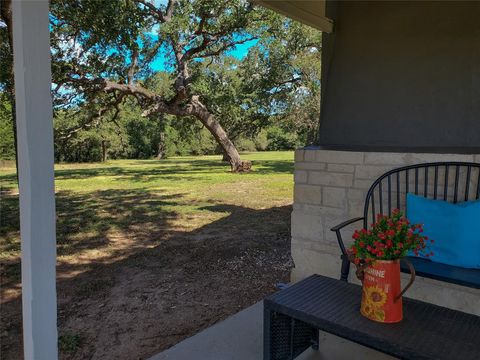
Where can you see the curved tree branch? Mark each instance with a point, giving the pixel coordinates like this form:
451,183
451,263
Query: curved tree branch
157,12
226,47
133,67
170,8
95,119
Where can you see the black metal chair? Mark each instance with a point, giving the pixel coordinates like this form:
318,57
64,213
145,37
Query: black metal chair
449,181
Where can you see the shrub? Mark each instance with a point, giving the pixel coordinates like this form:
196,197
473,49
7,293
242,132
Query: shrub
244,144
261,141
280,139
7,147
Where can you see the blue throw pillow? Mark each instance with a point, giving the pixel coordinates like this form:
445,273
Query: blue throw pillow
455,229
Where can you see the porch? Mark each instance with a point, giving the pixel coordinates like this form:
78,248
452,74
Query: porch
240,337
394,76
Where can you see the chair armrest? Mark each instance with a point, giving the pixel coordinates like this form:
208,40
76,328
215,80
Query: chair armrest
339,235
346,223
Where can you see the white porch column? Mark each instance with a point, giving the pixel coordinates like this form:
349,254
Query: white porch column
31,45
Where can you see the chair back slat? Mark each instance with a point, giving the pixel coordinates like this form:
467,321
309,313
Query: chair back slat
445,183
467,187
416,181
398,190
389,195
425,188
478,188
407,180
373,206
450,181
380,198
455,194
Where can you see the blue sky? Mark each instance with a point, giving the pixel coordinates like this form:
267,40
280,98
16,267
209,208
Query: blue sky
241,50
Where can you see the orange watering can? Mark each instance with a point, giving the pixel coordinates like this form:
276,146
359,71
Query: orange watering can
382,293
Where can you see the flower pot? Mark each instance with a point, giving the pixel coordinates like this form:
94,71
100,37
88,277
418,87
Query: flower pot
382,293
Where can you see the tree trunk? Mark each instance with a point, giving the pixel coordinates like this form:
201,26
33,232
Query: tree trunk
104,151
208,120
161,146
219,150
225,156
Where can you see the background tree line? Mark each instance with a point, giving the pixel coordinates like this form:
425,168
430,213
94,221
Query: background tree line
112,100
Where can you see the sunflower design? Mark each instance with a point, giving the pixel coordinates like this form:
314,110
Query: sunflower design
367,310
372,312
375,296
379,315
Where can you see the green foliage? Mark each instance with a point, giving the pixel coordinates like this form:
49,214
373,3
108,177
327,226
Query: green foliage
277,79
244,144
268,100
7,143
241,108
140,136
6,61
261,141
136,137
280,139
7,147
302,116
187,137
131,135
69,343
82,147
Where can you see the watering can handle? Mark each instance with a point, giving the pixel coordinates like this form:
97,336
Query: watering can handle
412,279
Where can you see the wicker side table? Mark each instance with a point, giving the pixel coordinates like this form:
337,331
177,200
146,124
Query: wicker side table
292,318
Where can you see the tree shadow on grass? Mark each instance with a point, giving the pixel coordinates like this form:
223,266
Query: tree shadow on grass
156,168
172,170
274,166
175,169
165,285
87,221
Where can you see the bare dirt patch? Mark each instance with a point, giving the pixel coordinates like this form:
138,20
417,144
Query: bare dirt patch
138,289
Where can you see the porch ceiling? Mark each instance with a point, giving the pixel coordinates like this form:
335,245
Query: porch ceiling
309,12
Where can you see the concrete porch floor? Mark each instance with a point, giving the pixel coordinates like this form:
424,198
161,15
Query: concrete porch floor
240,337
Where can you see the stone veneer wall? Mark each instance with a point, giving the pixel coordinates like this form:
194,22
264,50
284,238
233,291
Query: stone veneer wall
330,187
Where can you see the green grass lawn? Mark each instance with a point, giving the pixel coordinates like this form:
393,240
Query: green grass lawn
94,200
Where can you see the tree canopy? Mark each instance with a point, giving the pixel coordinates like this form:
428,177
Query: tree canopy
173,62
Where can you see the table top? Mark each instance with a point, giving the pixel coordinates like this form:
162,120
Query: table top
427,331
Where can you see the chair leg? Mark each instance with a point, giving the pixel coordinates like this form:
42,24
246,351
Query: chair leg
345,268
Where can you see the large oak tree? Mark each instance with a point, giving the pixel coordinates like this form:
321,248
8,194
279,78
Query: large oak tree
103,51
106,51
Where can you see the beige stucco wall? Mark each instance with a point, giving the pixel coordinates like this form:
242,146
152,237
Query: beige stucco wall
330,187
